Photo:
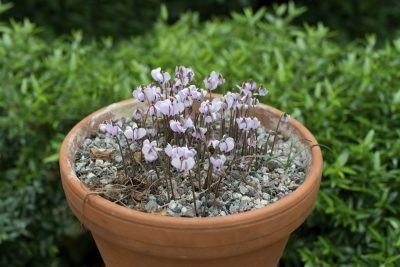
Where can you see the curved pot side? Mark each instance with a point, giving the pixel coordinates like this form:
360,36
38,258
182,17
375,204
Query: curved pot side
183,238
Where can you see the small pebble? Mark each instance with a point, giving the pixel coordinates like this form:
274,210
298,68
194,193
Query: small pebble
272,165
243,189
151,205
244,202
99,163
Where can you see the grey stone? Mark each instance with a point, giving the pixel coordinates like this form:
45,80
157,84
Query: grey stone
251,191
87,142
244,203
162,199
91,175
243,189
235,175
80,166
233,208
199,204
188,212
266,196
272,165
99,163
226,195
151,206
118,158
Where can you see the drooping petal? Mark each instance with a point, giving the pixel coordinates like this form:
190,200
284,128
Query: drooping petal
177,163
128,132
157,75
139,133
189,163
168,150
230,143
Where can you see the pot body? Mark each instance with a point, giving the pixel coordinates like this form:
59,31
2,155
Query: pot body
127,237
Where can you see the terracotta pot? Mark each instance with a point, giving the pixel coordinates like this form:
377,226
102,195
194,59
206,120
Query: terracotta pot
127,237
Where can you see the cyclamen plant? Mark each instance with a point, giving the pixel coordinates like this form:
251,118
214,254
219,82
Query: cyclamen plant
186,131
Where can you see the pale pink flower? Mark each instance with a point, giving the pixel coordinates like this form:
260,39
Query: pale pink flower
226,145
218,162
160,76
252,142
185,75
109,128
262,91
152,111
139,94
212,81
134,133
243,164
137,115
183,164
241,123
153,132
175,151
213,143
285,118
152,94
179,126
199,133
182,158
170,108
249,87
149,150
230,101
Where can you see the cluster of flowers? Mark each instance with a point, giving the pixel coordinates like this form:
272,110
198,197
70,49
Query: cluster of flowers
186,127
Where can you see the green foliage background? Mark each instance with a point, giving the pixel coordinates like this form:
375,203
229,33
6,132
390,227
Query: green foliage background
347,95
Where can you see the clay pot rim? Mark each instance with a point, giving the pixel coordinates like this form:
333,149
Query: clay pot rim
268,212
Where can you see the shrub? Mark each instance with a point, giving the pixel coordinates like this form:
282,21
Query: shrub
348,97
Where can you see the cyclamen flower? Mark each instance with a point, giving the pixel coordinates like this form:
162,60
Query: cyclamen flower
212,81
218,162
170,108
243,164
182,158
153,132
210,109
149,150
152,94
226,145
186,100
252,142
285,118
193,92
134,133
230,101
139,94
185,75
160,76
248,87
252,124
152,111
109,128
175,151
199,133
241,123
137,115
213,143
180,127
188,94
262,91
248,124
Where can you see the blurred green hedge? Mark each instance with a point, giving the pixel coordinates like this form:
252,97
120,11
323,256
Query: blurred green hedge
349,97
123,18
